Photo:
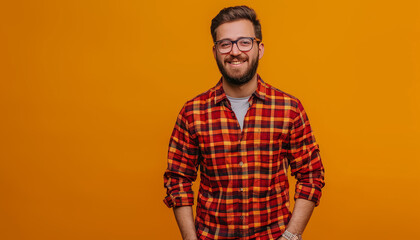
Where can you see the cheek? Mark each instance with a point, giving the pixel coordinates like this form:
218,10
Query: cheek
220,59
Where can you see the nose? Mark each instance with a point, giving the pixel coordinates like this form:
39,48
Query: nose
235,50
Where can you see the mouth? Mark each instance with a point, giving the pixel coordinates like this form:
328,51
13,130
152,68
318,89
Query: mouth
236,63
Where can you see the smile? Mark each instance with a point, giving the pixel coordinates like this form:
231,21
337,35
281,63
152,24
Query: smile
236,63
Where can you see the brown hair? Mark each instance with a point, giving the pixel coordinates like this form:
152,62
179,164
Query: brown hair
231,14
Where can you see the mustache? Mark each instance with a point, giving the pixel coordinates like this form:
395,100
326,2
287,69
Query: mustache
240,58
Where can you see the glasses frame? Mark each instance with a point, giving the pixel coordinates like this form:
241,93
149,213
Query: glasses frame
236,42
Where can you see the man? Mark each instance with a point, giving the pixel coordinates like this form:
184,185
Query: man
243,134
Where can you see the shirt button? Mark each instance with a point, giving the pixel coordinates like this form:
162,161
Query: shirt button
241,189
241,163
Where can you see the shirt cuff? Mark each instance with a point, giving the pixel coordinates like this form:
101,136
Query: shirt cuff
311,192
180,199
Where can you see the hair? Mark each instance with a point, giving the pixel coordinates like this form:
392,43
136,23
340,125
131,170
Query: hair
231,14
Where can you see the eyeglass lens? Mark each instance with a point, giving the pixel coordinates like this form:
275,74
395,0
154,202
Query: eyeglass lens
243,44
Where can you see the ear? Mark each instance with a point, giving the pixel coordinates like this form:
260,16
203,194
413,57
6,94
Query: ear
214,52
260,50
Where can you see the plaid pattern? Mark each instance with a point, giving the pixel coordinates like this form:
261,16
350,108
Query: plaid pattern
244,189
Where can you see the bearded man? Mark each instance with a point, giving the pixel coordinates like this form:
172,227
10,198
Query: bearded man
243,134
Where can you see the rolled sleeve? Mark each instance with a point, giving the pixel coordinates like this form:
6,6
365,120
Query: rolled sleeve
304,159
179,199
182,166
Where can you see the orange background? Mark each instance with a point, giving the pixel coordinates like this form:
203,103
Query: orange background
90,90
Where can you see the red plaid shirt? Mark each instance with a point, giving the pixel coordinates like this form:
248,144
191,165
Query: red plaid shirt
244,189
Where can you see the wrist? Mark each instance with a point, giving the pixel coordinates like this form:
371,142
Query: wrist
190,238
287,235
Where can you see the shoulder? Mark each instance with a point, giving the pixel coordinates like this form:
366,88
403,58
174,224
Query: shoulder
198,103
280,97
202,97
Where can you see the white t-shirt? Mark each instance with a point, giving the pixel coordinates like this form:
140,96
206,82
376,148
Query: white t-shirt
240,108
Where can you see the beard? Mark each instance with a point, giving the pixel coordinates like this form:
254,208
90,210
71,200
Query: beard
245,77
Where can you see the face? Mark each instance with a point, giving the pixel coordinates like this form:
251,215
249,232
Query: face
238,67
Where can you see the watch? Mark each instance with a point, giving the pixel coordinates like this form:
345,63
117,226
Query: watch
290,236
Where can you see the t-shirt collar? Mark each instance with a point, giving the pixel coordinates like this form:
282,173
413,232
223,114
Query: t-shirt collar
260,92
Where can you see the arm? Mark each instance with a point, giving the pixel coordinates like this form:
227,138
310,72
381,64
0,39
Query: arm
183,161
300,217
185,220
306,166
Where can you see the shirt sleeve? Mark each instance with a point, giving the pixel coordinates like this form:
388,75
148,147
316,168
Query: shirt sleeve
182,166
304,159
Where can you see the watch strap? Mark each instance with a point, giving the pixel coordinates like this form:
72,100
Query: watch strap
290,236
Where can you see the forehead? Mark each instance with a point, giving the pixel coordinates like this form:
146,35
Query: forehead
234,30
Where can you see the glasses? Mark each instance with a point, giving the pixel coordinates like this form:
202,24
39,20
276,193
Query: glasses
244,44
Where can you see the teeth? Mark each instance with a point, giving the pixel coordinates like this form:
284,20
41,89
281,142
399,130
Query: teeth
236,63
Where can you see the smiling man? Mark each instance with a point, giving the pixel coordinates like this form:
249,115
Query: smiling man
243,134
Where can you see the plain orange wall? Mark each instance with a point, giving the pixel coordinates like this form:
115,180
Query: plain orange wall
90,90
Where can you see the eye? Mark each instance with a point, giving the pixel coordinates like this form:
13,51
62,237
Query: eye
245,42
224,44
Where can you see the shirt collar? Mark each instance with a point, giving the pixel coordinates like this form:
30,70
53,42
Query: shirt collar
260,92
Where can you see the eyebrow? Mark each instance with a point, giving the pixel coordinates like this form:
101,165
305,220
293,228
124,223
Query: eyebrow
230,39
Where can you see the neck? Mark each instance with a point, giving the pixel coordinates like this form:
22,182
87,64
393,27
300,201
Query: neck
241,91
